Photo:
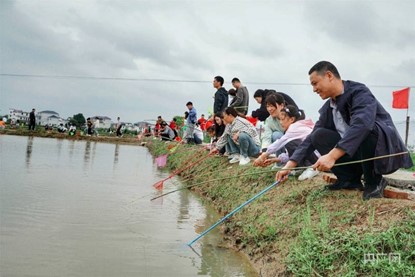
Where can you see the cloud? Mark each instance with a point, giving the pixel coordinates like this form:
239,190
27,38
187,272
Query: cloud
260,42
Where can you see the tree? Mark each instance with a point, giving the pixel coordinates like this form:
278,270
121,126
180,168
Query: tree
78,120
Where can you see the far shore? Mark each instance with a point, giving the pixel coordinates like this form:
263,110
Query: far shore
127,139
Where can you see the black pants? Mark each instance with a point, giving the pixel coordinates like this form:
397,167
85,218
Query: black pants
292,146
324,140
31,125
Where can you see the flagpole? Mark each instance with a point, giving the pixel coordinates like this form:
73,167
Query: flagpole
407,127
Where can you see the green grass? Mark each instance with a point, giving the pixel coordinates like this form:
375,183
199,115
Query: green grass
413,161
314,232
320,251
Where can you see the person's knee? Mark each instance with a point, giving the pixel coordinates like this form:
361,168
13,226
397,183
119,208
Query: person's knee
243,136
276,135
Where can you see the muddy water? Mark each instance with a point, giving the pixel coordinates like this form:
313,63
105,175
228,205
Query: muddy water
76,208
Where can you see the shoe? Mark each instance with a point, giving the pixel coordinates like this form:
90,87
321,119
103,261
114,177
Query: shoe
307,174
375,192
235,159
244,160
338,185
231,156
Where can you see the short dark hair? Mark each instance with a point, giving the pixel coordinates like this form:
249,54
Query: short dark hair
231,111
220,80
324,66
235,80
189,103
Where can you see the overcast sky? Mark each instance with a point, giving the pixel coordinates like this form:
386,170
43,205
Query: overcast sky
141,59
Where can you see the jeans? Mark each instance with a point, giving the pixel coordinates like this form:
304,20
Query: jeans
246,146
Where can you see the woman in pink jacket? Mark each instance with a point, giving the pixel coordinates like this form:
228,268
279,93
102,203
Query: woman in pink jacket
296,130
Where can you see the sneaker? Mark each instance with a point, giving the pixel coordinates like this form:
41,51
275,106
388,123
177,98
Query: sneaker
231,156
338,185
307,174
244,160
235,159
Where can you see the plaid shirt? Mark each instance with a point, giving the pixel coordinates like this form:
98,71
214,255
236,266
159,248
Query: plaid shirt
238,125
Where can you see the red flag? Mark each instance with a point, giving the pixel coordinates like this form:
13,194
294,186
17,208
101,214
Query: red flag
401,99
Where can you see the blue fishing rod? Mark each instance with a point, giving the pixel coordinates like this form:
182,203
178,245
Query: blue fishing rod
233,212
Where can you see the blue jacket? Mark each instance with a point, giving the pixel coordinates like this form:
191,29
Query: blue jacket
363,113
192,117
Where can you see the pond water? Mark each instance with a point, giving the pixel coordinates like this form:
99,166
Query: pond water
76,208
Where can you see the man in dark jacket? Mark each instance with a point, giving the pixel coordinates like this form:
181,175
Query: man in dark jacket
32,120
352,126
221,95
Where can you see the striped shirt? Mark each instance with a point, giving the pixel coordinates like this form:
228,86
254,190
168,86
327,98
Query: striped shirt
238,125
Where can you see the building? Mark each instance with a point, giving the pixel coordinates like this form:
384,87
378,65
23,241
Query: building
20,116
49,118
104,122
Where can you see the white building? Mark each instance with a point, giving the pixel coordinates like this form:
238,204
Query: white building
101,121
18,116
49,118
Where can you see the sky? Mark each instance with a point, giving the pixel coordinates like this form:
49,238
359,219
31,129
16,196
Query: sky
140,59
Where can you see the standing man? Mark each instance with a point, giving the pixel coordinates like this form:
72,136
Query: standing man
190,122
352,126
241,101
221,96
32,120
118,127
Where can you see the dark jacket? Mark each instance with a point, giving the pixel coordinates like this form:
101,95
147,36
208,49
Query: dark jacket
221,100
363,113
32,117
262,112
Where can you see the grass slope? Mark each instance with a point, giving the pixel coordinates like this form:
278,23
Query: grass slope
298,228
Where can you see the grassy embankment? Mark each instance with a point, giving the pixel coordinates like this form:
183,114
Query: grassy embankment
299,228
40,132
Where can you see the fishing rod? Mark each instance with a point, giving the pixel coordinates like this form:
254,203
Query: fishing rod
275,170
233,212
275,184
159,184
212,180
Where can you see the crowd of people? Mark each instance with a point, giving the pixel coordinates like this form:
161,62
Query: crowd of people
353,126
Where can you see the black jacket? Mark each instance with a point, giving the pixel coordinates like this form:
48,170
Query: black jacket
363,113
221,100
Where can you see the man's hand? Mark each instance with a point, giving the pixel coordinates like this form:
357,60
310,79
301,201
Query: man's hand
282,175
326,162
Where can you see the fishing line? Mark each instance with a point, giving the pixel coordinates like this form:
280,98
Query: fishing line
276,170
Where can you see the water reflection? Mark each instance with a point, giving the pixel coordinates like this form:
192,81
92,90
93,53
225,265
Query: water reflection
71,147
90,216
87,152
59,146
116,153
29,148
